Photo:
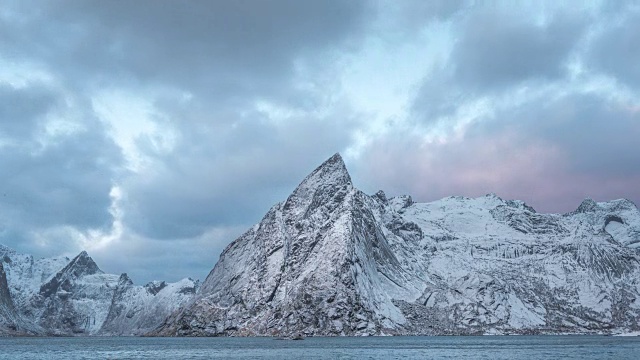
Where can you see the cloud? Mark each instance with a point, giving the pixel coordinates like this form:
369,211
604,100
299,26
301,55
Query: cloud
552,156
597,134
58,165
616,50
213,104
224,51
147,259
497,49
219,175
21,109
163,129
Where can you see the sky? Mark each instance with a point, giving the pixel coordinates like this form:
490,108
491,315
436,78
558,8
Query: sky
153,133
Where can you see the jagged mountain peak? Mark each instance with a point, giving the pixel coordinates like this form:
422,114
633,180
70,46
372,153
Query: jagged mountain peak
62,296
332,260
587,205
381,196
590,206
80,266
6,249
332,171
154,287
492,195
620,204
83,264
326,185
124,280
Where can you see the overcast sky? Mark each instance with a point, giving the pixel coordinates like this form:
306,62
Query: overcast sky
152,133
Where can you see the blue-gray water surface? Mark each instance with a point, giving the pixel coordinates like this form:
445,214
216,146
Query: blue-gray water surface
440,347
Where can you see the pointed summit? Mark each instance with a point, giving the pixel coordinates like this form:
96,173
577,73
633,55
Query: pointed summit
332,260
324,183
81,265
587,205
332,171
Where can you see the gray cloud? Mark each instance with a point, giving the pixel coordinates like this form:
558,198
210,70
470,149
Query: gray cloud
148,259
413,15
51,179
616,51
596,134
229,163
552,155
221,50
204,70
497,49
22,109
229,175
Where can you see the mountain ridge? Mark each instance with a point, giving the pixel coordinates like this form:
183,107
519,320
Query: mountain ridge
332,260
71,297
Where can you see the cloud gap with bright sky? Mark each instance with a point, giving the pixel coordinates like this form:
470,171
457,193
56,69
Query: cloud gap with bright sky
153,133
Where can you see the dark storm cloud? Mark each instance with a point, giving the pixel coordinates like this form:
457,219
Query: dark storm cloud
51,179
226,50
616,51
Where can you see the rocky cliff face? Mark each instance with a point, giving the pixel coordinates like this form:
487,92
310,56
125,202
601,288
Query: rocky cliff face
331,260
59,296
8,315
136,310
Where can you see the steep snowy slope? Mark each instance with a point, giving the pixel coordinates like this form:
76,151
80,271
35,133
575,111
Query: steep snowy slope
59,296
309,254
76,299
498,266
25,274
332,260
136,310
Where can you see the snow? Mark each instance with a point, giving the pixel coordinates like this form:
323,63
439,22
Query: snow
331,260
59,296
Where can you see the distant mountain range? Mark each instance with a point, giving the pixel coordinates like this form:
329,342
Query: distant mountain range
332,260
61,296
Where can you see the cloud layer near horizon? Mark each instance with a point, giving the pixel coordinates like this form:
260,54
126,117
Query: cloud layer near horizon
162,129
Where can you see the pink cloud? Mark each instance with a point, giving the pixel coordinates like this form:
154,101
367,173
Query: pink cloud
506,163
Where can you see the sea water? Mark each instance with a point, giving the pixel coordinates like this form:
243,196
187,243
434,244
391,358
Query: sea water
437,347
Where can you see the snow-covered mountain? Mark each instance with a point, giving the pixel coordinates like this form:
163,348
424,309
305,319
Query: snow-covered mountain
59,296
332,260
